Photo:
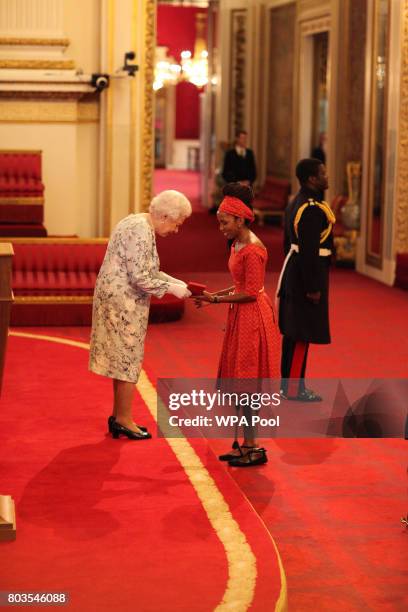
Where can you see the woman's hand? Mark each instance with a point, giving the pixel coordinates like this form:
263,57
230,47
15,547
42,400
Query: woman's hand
205,297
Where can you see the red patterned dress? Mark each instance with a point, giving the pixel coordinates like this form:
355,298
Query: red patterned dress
251,347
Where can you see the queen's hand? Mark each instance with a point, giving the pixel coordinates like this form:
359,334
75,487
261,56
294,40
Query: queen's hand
179,291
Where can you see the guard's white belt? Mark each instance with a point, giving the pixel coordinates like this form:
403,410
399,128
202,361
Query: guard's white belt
322,252
294,248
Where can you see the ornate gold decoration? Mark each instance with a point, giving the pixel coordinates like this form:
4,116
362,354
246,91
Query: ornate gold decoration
33,151
38,111
147,152
20,64
23,201
37,42
377,135
401,224
313,7
53,299
107,208
315,26
133,114
39,96
353,181
6,249
238,55
346,246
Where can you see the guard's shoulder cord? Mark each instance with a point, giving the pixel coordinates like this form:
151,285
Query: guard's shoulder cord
331,219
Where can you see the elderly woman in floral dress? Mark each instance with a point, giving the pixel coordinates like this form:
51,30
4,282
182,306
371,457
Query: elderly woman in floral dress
128,277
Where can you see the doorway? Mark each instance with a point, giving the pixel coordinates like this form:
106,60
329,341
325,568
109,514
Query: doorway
184,108
320,105
314,98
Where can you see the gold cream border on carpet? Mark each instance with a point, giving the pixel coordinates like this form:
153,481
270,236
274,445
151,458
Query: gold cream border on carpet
242,572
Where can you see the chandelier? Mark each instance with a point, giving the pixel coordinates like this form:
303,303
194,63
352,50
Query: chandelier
192,68
195,69
166,70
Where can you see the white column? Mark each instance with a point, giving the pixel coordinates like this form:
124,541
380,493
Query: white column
31,18
126,128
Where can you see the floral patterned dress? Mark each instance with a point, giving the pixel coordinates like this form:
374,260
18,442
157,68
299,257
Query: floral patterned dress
251,347
129,275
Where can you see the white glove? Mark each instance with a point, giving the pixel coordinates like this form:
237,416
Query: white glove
179,291
171,279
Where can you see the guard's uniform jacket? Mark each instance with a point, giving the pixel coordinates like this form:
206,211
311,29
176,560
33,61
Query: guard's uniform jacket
308,243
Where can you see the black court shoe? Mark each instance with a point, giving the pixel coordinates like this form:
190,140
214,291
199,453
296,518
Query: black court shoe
119,430
111,421
255,456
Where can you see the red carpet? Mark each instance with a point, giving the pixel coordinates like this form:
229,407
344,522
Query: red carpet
333,506
111,521
186,181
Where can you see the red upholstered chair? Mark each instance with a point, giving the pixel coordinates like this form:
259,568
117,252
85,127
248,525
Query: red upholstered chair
21,194
53,281
271,199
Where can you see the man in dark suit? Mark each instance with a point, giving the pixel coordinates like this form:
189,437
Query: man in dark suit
304,286
239,162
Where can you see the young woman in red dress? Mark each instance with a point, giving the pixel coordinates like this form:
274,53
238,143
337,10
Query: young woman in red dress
251,347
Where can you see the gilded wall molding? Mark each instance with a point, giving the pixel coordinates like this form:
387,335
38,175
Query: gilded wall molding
315,26
401,238
33,111
313,7
21,201
34,42
46,111
21,64
53,299
108,122
39,95
238,57
147,159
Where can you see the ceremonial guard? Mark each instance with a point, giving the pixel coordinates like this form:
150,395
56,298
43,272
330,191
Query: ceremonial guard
303,286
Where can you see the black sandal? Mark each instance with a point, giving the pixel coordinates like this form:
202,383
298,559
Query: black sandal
304,396
247,460
230,456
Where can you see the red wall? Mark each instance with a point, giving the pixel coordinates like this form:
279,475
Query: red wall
176,30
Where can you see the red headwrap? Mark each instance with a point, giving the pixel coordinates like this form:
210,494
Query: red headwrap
234,206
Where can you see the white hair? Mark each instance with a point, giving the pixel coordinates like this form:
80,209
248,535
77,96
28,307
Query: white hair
170,203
